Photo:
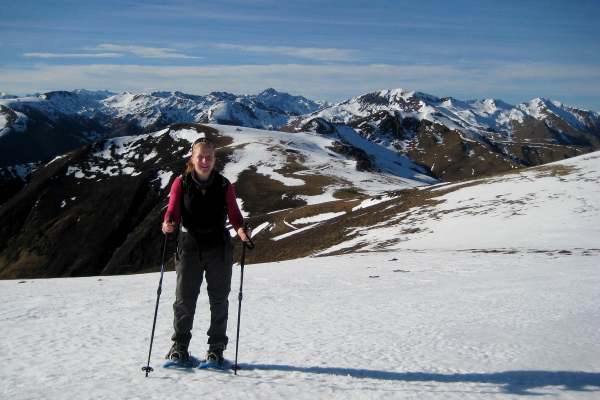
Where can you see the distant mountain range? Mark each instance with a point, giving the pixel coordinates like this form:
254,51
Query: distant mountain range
50,124
86,174
456,139
44,126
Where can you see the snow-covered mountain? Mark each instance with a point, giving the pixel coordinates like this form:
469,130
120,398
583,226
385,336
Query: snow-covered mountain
371,145
96,209
50,124
460,139
107,197
493,295
476,118
453,139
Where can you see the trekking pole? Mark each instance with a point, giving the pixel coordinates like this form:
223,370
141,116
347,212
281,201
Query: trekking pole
250,246
148,368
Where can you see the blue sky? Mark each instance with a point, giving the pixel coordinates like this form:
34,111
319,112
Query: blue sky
325,50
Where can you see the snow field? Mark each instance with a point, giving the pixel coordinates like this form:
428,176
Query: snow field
407,324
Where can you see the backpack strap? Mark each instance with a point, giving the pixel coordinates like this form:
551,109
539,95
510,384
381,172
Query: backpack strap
185,182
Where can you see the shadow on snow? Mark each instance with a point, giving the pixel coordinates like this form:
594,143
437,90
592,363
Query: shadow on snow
514,382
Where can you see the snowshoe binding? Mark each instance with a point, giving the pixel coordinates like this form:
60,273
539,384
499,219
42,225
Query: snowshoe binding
214,357
178,356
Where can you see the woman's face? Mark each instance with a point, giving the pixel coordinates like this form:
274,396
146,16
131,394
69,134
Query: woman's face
203,159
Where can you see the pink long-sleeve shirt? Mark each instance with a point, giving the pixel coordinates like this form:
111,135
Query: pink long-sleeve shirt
174,209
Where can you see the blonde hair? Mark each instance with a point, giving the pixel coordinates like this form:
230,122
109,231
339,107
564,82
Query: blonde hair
202,142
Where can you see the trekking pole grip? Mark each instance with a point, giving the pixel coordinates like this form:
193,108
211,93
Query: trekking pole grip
249,244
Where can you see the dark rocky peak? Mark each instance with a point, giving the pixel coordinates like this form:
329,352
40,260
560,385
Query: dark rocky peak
224,96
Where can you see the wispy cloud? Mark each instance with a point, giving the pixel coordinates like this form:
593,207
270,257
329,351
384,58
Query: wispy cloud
112,50
72,55
312,53
140,51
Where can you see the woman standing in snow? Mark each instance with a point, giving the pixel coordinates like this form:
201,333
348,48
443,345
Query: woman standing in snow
200,203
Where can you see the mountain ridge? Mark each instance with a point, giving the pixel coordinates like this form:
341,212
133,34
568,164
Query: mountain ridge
94,210
56,122
456,139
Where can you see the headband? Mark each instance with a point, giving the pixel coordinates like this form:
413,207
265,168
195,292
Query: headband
202,140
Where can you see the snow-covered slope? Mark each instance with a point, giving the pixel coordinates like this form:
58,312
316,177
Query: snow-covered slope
536,209
471,310
270,153
128,178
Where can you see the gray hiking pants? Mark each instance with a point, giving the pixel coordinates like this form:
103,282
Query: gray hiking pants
193,264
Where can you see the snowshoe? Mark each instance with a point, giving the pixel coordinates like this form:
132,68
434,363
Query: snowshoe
214,357
179,354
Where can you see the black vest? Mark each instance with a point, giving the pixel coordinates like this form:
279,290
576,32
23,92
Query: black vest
204,213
